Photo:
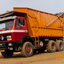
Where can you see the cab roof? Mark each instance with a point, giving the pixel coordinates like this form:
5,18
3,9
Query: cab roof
10,13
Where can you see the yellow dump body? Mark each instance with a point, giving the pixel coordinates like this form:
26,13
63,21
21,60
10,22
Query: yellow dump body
37,21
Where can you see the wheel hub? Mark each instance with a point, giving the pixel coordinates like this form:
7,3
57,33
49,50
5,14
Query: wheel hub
61,46
28,49
53,46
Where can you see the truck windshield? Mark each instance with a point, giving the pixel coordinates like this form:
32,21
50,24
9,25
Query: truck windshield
6,24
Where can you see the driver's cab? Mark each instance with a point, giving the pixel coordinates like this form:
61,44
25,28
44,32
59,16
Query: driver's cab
15,26
20,23
13,23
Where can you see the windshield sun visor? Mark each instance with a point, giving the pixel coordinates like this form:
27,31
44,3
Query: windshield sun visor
7,18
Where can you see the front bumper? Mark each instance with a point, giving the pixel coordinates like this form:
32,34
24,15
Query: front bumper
3,46
7,46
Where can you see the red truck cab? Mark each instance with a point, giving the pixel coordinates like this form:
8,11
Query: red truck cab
14,28
13,34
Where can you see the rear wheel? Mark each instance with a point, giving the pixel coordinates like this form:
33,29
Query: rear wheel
59,45
27,49
51,46
7,53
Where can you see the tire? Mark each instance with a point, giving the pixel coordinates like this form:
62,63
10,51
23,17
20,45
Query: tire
59,45
51,46
27,49
7,53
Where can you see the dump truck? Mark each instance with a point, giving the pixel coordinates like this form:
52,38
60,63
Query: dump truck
28,30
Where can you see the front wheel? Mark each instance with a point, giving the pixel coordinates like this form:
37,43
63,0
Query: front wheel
7,53
27,49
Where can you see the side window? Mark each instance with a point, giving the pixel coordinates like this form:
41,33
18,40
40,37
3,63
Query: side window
21,22
16,23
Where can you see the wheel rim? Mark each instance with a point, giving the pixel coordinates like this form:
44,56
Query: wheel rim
28,49
60,46
53,46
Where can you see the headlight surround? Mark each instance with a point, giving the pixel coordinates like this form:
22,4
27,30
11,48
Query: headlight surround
2,37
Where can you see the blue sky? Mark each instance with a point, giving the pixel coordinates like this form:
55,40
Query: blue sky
51,6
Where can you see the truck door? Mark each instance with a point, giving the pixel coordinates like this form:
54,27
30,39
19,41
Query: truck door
21,28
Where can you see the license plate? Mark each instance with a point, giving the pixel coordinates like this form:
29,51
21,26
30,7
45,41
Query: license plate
2,50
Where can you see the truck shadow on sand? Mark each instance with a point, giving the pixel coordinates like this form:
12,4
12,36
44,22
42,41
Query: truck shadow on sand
16,55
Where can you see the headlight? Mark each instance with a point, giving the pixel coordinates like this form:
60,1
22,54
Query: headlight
9,38
10,44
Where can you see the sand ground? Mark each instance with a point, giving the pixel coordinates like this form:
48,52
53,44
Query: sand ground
38,58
